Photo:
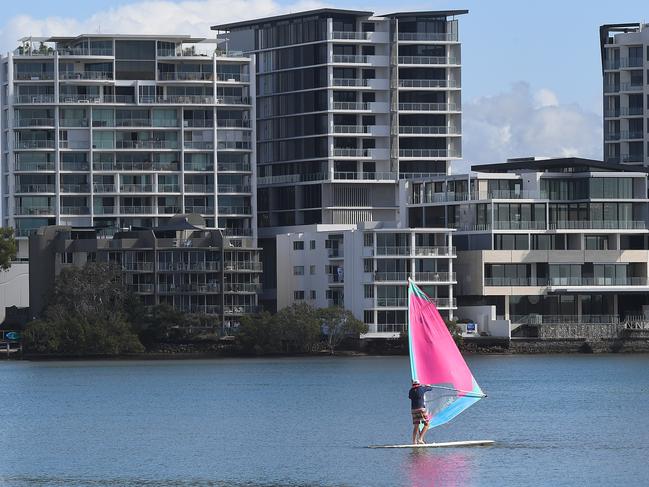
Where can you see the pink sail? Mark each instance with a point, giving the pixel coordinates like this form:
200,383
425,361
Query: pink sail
435,360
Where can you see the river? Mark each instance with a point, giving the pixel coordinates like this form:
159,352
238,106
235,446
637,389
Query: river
556,420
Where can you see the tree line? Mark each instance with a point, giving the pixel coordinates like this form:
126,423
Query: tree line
91,312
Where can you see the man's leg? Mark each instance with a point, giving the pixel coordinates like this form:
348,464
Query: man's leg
423,433
415,433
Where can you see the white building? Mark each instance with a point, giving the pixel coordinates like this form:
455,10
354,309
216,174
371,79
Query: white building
543,241
625,69
119,130
365,268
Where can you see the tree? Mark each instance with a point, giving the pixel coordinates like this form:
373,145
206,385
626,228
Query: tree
8,247
337,324
256,335
297,326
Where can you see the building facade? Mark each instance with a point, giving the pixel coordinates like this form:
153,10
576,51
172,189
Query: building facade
181,263
348,103
365,268
625,69
544,241
118,131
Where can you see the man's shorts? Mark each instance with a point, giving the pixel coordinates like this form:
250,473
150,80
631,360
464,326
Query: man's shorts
419,416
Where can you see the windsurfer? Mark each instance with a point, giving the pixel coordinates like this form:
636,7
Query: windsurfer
418,409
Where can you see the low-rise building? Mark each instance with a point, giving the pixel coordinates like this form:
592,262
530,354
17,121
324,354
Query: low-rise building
181,263
543,241
365,268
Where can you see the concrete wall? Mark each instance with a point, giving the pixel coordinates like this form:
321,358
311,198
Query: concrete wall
14,287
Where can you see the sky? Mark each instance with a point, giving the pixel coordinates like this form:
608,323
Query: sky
531,71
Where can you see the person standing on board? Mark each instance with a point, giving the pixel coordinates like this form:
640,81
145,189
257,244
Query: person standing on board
418,409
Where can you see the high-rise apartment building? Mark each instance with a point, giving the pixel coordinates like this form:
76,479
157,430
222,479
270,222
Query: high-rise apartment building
117,131
348,103
625,69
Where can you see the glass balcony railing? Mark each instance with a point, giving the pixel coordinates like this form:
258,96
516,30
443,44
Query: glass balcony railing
428,83
34,76
429,107
427,60
86,75
428,36
199,188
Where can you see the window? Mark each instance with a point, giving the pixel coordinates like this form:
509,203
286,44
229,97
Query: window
92,257
298,270
312,244
298,245
368,316
368,265
368,239
369,291
312,294
66,258
312,270
298,295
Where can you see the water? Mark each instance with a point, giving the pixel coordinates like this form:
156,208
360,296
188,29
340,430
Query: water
557,420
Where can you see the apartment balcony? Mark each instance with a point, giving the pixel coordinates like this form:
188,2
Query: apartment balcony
428,83
351,82
632,157
210,288
135,166
138,266
621,63
136,188
612,136
74,123
199,188
233,188
631,87
428,36
291,178
245,288
186,76
232,78
168,188
35,210
435,251
352,36
207,266
104,210
519,225
420,175
201,210
235,210
86,75
233,100
239,309
428,130
146,144
372,130
598,225
441,60
21,166
393,251
34,76
335,253
136,210
231,123
75,210
33,99
85,52
25,122
355,153
403,302
198,144
426,277
428,153
429,107
169,210
243,266
538,319
350,59
74,144
631,111
140,288
235,145
598,281
365,176
104,188
237,232
179,100
35,144
351,105
630,135
515,281
391,276
75,188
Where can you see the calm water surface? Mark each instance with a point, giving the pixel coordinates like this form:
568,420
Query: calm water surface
557,420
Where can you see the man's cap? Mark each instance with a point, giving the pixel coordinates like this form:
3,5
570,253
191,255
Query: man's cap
415,383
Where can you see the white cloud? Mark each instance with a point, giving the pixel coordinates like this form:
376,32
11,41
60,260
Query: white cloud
148,17
521,123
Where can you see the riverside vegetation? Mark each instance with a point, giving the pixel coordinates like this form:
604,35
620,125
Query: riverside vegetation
90,312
